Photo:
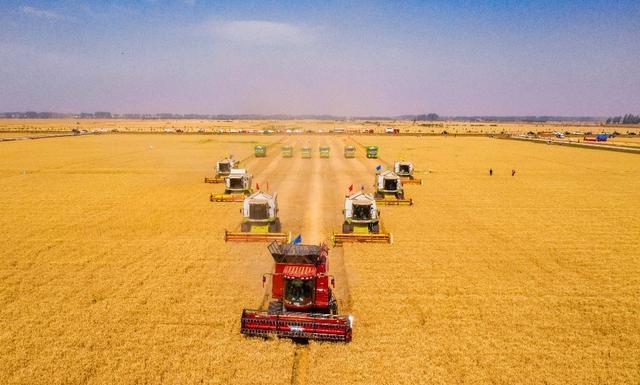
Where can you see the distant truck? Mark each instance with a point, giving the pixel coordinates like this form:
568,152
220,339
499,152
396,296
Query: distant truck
391,130
260,151
349,152
287,151
324,151
596,138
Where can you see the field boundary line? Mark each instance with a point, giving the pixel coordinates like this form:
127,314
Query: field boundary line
629,150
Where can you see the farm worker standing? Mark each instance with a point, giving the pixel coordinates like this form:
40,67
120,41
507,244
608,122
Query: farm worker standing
490,171
513,172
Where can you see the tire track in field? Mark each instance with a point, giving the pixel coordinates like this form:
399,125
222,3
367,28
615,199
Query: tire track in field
331,178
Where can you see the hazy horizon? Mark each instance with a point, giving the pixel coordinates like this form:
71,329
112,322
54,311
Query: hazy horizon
356,59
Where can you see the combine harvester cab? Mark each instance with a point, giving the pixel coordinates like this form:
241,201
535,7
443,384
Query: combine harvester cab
306,152
349,152
287,151
260,221
303,305
372,152
223,169
404,170
361,221
389,190
237,187
260,151
324,151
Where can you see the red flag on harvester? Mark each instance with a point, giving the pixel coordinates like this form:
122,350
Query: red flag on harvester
350,188
257,186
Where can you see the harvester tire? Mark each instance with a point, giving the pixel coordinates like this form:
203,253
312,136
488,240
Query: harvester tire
400,195
375,228
245,227
347,228
275,227
379,195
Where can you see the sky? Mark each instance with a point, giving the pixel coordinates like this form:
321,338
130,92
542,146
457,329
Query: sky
569,58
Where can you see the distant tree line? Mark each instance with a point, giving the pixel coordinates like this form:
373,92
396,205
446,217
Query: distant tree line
626,119
427,117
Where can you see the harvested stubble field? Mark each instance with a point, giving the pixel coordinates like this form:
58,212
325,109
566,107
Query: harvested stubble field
114,270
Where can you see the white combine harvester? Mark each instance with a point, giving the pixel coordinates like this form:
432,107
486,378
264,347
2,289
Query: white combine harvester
404,169
389,189
237,185
260,221
361,221
223,169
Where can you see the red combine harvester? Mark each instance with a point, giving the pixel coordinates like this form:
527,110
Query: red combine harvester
303,305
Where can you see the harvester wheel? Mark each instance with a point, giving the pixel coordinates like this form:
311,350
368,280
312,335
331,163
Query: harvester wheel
400,195
275,227
375,228
347,228
245,227
379,195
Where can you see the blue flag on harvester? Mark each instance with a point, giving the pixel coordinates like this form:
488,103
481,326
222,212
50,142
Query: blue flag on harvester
297,240
378,167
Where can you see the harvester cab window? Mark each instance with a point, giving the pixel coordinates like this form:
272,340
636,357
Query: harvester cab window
390,184
404,168
298,292
235,183
361,212
258,210
224,166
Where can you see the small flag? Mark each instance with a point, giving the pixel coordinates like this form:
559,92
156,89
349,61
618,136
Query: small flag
297,240
350,188
257,186
378,167
267,185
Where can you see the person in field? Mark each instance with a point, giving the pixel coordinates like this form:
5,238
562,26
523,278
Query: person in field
490,172
513,172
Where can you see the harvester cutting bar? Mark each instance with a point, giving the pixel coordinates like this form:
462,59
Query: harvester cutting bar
213,180
296,325
255,237
227,197
395,202
411,181
340,238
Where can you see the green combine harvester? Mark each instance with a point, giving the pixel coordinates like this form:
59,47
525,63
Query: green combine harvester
306,152
349,152
260,151
324,151
287,151
372,152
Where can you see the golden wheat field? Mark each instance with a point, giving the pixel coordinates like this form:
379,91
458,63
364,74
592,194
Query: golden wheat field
209,126
113,268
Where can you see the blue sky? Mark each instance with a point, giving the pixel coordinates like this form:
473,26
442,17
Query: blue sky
355,58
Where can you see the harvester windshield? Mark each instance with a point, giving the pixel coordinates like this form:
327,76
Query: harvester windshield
404,168
224,167
236,183
298,292
390,184
361,211
258,210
